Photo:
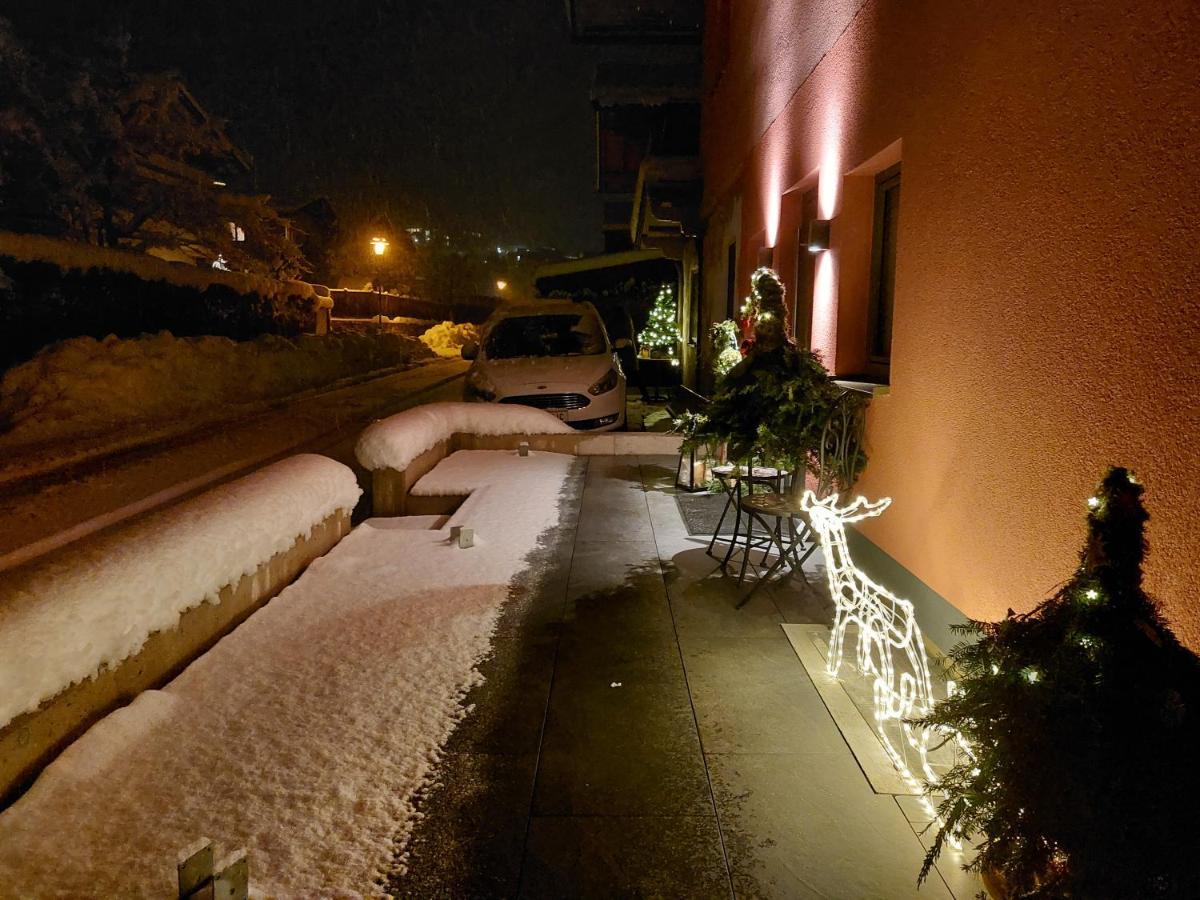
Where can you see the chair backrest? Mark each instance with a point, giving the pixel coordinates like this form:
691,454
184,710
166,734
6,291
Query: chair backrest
841,454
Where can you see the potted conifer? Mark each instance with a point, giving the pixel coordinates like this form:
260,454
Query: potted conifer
1083,723
778,403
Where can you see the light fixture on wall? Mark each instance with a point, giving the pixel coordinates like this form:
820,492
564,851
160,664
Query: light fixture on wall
818,235
766,256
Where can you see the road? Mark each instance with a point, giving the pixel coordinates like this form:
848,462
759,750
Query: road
44,513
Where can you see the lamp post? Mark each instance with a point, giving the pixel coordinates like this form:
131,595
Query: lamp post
379,246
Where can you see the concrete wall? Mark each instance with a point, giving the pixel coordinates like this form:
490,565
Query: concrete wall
1047,310
30,741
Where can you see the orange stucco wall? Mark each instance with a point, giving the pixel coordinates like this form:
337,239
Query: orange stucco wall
1047,312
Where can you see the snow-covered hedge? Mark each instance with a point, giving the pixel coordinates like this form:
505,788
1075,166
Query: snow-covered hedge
447,338
84,388
394,442
95,603
51,290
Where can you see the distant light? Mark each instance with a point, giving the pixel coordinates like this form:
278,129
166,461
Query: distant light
499,251
219,263
379,245
674,361
218,184
501,284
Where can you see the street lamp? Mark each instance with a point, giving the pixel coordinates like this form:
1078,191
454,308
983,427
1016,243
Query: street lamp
379,247
501,284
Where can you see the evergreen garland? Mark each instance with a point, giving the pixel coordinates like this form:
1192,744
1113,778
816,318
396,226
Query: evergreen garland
775,403
1084,720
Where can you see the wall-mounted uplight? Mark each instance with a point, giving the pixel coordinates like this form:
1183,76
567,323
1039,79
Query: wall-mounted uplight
818,235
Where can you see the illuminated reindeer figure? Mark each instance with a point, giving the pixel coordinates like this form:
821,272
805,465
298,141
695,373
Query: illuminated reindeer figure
886,627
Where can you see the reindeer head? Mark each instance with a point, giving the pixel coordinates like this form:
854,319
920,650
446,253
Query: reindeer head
826,515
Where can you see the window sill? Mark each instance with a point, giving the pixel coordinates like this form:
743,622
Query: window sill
864,385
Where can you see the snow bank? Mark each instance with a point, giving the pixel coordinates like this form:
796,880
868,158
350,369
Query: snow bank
394,442
83,388
305,734
74,255
94,604
447,339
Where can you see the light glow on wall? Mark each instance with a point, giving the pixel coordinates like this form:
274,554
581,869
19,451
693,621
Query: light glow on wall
824,314
829,178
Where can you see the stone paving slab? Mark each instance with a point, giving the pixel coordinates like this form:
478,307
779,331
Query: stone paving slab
711,768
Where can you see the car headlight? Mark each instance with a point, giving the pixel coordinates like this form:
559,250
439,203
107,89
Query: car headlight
605,384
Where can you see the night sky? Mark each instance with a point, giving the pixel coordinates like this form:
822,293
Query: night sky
461,115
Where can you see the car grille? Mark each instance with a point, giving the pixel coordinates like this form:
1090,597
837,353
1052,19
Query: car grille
550,401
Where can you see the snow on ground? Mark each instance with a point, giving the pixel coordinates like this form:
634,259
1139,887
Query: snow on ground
96,602
394,442
447,338
84,388
305,734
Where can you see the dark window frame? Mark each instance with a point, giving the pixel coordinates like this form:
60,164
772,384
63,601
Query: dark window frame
731,281
881,302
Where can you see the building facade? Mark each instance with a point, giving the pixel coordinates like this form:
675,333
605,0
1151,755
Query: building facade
1006,194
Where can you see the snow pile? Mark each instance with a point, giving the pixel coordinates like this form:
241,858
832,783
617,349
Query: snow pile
394,442
304,734
95,603
447,339
74,255
84,388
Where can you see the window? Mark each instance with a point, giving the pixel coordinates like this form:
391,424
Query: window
236,233
806,266
731,281
883,266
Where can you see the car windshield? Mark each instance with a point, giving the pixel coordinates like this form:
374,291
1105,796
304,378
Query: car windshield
569,334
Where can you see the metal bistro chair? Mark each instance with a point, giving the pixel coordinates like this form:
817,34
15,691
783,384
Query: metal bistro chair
837,465
737,480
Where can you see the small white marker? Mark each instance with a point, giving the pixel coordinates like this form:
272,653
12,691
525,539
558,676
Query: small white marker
463,536
523,448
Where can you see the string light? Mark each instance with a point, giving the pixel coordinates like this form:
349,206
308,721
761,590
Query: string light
887,629
662,329
1092,594
1093,503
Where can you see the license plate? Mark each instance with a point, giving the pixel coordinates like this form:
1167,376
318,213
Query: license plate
561,413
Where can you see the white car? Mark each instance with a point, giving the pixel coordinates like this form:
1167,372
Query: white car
554,355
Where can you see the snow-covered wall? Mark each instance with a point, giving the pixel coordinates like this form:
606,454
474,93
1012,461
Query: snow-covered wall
394,442
95,604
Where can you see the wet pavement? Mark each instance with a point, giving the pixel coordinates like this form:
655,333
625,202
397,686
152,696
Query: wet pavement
638,736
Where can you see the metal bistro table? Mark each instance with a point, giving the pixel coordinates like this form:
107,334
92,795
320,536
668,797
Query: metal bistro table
783,508
733,479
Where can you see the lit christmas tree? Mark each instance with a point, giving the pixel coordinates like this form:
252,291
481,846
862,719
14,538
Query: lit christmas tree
661,334
1081,722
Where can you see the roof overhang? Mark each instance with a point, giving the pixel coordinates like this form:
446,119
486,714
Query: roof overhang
605,273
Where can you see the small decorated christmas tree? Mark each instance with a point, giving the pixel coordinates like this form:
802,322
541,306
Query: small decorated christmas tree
1082,720
661,334
765,310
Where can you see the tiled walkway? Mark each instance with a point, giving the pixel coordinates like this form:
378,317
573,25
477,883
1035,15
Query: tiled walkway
638,736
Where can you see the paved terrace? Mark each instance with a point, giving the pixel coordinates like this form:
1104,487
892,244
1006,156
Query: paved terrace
638,736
